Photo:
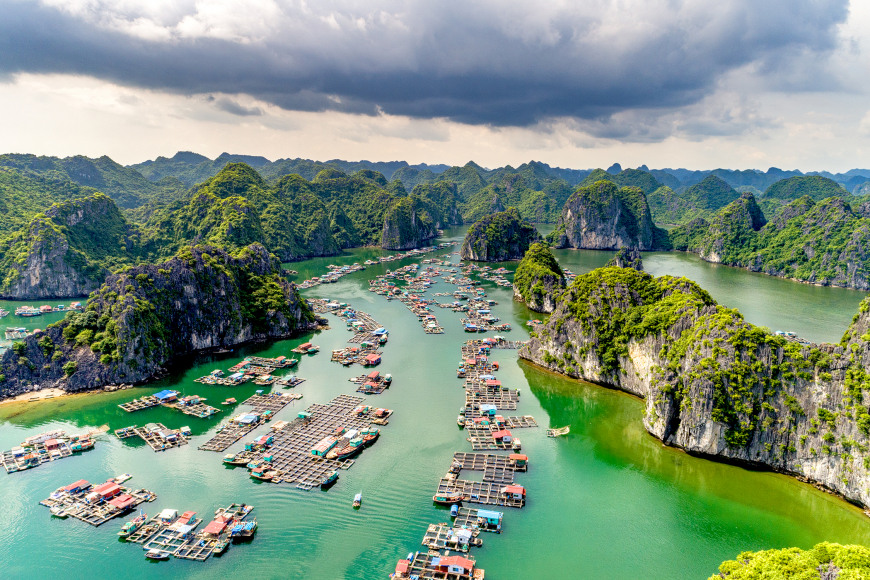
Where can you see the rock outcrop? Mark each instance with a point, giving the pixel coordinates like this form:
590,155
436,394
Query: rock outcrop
627,258
602,216
141,319
66,252
538,279
407,225
714,384
825,243
499,237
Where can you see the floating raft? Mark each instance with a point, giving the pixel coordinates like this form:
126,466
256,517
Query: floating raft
443,537
96,512
232,432
159,437
291,447
145,402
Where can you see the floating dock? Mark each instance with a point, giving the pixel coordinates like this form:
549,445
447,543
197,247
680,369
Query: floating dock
159,437
141,403
98,504
243,424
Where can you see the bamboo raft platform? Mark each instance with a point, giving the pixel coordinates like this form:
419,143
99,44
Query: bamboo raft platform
469,519
271,401
35,456
155,441
479,492
422,567
442,537
141,403
289,381
169,539
96,513
481,439
232,432
200,410
291,446
126,432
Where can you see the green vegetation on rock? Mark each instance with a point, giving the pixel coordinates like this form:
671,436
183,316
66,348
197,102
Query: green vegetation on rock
823,561
538,278
815,187
699,201
498,237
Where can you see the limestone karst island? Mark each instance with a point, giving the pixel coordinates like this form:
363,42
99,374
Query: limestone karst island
435,290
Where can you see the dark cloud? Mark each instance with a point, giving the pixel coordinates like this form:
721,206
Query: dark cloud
230,106
495,64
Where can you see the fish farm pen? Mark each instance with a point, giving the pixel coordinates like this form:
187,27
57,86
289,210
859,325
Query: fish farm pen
264,406
95,505
290,453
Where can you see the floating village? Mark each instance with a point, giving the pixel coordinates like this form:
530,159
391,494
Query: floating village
310,447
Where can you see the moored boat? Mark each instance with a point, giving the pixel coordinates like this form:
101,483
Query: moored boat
329,478
448,498
263,473
58,511
157,555
230,401
133,525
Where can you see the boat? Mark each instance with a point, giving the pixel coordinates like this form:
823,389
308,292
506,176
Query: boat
329,478
460,420
230,401
58,511
448,498
357,500
119,479
263,473
157,555
370,435
220,547
353,447
559,431
133,525
235,459
516,445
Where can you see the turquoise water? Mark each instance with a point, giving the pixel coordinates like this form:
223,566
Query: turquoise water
607,501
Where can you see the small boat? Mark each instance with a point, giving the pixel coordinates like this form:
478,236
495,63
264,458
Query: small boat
357,500
58,511
517,445
454,511
449,498
329,478
460,420
220,547
230,401
157,555
370,435
119,479
559,431
133,525
235,459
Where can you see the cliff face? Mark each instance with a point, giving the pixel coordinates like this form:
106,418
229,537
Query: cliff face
715,384
64,253
538,279
602,216
627,258
141,319
735,225
826,243
407,225
499,237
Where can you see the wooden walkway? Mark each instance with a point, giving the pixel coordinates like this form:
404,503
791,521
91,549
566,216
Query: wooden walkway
141,403
154,440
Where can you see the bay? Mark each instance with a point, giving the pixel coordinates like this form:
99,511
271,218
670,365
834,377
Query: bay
608,501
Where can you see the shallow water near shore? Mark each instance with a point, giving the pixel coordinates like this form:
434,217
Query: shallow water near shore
607,501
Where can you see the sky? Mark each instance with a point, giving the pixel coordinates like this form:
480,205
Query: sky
667,83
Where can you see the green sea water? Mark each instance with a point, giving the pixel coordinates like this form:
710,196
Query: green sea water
607,501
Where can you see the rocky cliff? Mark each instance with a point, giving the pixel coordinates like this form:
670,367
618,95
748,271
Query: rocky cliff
499,237
627,258
714,384
67,251
826,243
602,216
407,225
142,318
538,279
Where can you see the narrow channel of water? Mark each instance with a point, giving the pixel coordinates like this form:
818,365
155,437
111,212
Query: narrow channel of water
608,501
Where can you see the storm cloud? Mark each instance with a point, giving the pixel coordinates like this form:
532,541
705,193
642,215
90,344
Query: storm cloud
492,63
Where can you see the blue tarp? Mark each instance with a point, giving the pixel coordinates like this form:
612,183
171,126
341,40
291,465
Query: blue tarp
380,331
248,419
167,394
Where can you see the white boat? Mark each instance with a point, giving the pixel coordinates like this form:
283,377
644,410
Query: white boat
58,511
357,500
157,555
119,479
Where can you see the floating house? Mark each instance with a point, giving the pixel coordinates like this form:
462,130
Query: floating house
454,565
166,396
514,491
372,359
504,436
488,410
77,487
